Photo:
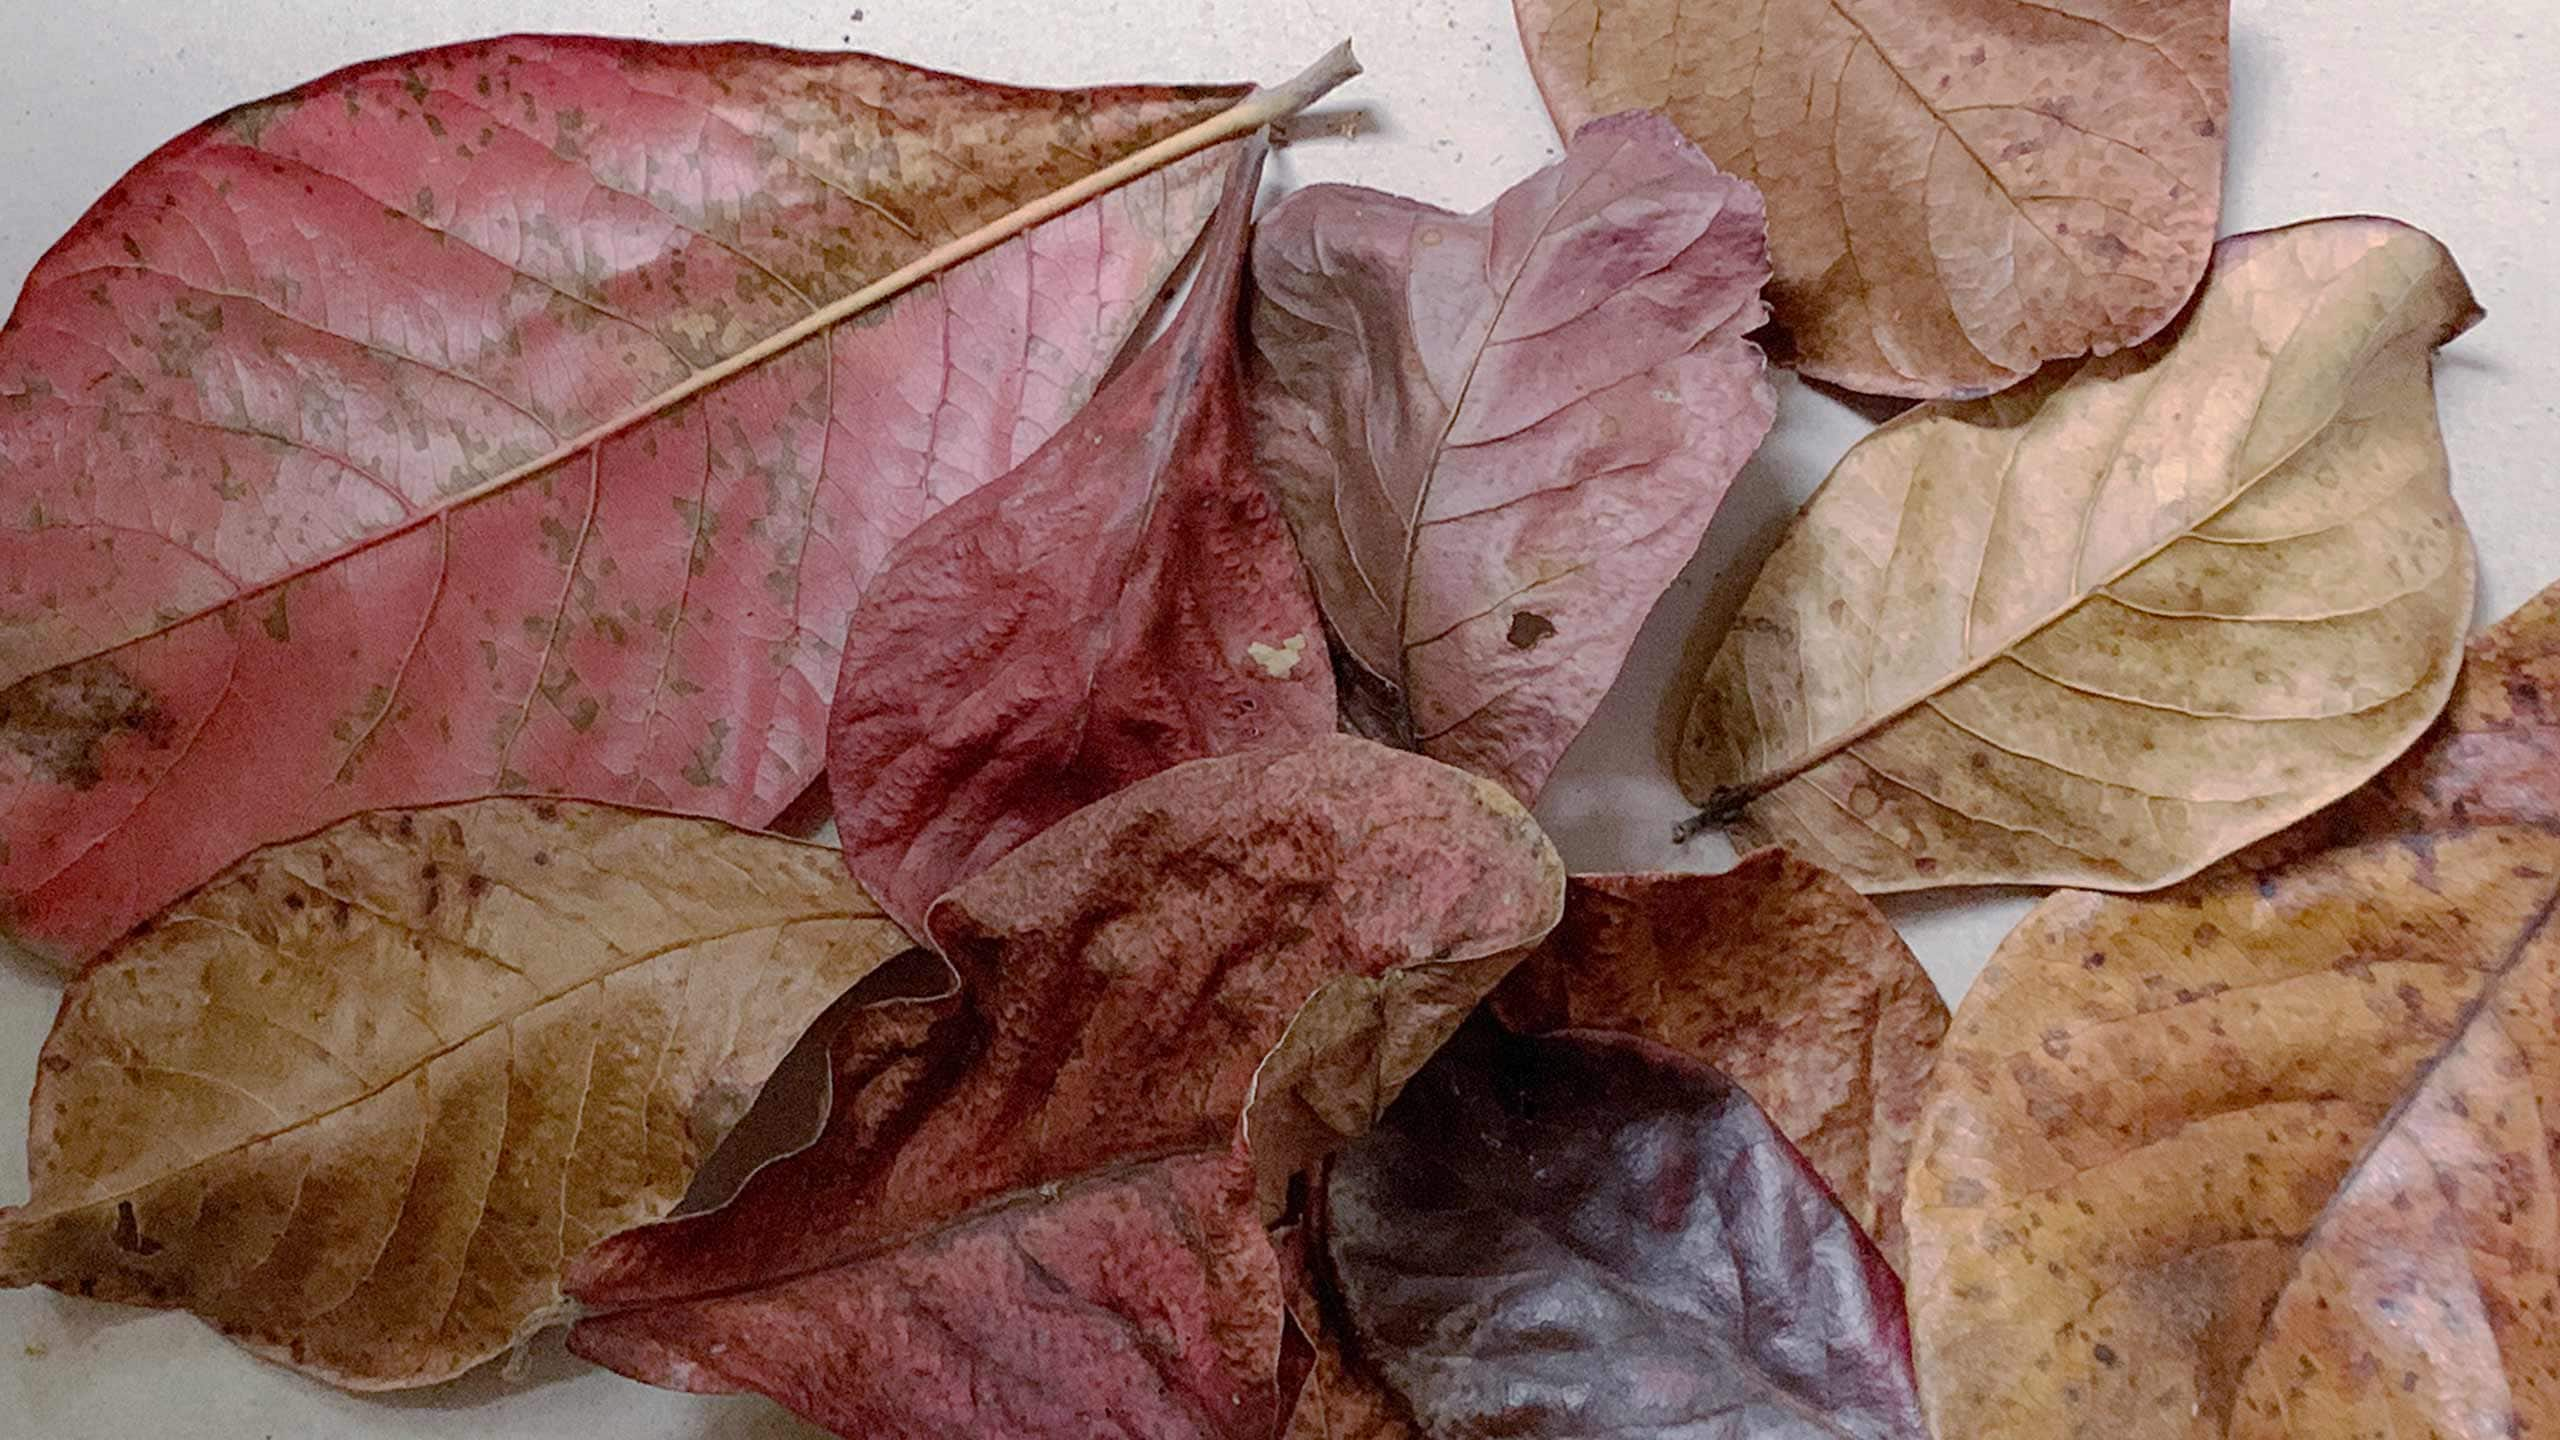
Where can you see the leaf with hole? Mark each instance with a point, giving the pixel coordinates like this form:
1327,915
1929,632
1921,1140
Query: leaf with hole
1499,436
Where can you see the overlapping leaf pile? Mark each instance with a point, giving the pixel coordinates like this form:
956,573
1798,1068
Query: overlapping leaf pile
441,506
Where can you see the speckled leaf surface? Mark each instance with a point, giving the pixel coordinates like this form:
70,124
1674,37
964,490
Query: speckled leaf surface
1779,976
360,1099
2270,1154
1587,1234
1959,190
1027,1215
1499,436
1126,600
299,512
2114,624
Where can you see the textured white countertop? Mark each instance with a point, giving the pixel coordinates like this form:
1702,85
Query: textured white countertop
2439,112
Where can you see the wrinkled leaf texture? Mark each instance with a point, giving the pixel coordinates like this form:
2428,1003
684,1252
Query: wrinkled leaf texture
1126,600
1959,190
1779,976
359,1100
301,511
1028,1214
2113,625
1499,436
2270,1153
1589,1234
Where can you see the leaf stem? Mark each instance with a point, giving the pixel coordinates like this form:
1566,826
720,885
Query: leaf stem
1264,106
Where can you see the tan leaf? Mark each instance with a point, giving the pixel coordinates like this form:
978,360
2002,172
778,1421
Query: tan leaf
1959,190
2117,623
2269,1154
360,1099
1777,974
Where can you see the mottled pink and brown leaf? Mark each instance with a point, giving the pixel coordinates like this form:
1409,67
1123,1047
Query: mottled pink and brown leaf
1026,1208
302,509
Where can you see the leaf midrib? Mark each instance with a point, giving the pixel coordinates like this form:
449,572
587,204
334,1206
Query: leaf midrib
1249,113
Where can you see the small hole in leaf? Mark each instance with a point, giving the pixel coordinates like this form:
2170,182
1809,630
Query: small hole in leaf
129,1236
1528,628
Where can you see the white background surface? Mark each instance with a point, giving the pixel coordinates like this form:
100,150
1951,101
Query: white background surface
2439,112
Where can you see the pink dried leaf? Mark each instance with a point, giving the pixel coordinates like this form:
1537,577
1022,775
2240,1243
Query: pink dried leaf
1127,599
301,513
1499,436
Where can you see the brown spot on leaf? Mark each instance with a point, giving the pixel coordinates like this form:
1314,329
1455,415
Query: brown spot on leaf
128,1233
61,721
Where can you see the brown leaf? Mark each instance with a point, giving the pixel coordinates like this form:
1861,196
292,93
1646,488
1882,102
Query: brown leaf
2120,622
361,1098
1126,600
1119,981
1336,1396
496,419
1499,436
2270,1153
1777,974
1959,190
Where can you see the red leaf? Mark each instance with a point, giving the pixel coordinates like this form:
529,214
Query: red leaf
1587,1234
301,506
1126,600
1126,985
1499,436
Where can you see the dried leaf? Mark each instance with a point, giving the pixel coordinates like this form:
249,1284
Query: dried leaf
1959,190
2124,620
440,429
2270,1154
1342,1400
1499,436
361,1098
1587,1234
1335,1397
1126,600
1779,976
1120,979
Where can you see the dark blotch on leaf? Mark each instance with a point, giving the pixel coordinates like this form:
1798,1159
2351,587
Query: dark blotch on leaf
61,721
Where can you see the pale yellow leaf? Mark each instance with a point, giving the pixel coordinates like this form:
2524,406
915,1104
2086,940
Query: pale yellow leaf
359,1100
2114,624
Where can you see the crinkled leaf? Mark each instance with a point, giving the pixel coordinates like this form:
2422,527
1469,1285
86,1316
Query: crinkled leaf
1126,600
360,1099
1777,974
1588,1234
1959,190
1119,981
303,505
2271,1153
2124,620
1499,436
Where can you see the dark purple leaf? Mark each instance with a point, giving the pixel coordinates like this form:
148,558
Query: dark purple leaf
1587,1235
